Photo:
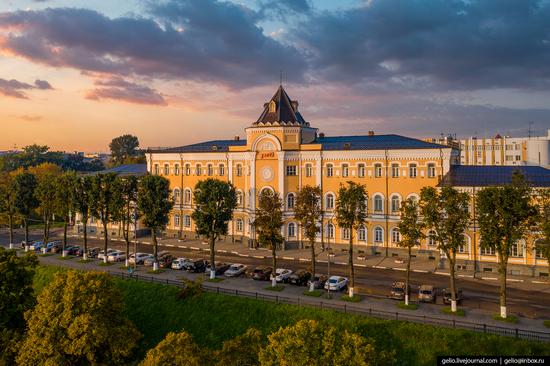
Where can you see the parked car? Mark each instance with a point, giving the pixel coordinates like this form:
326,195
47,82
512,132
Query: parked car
116,256
93,252
282,274
397,291
447,296
51,244
165,259
148,261
57,248
138,258
72,250
336,283
235,270
101,254
299,278
262,273
197,266
178,263
318,281
221,267
36,245
426,293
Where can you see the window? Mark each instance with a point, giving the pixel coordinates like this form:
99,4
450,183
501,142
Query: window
239,198
330,171
518,157
516,250
309,170
177,220
221,169
463,248
345,234
377,170
187,196
345,170
291,170
209,169
291,230
362,234
538,250
395,170
378,204
239,171
378,235
330,231
177,169
486,251
156,170
395,204
187,169
198,169
431,238
290,201
176,195
509,157
361,170
187,221
329,201
412,170
166,169
395,236
431,170
239,224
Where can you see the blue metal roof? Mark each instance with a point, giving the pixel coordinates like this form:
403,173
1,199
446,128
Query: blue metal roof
375,142
125,170
483,176
207,146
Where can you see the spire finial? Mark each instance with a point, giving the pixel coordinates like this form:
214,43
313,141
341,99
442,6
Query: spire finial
281,77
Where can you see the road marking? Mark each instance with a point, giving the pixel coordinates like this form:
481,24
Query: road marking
222,251
489,278
513,280
289,258
244,255
259,256
380,267
340,263
321,261
361,265
195,248
146,242
169,245
420,270
399,269
542,282
184,246
304,260
234,252
442,273
463,275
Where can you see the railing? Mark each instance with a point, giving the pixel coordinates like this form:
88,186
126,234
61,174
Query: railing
532,335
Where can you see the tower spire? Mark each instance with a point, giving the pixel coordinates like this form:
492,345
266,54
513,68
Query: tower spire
280,77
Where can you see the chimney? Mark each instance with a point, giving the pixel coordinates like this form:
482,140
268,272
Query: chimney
321,135
371,133
236,138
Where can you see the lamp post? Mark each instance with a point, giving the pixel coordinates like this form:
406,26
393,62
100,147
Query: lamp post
135,239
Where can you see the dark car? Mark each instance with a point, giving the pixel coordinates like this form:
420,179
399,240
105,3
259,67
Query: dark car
165,260
299,278
262,273
221,267
72,250
57,248
197,266
447,296
93,252
318,281
398,291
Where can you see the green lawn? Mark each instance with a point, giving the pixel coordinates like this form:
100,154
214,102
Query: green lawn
212,318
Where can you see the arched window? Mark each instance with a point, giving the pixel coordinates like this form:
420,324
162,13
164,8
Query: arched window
330,231
187,169
177,195
221,169
239,170
187,196
176,169
187,221
377,170
290,198
345,170
431,238
209,170
395,170
198,169
395,204
362,233
166,169
378,235
378,203
330,170
412,170
329,201
239,225
291,230
177,221
361,170
395,236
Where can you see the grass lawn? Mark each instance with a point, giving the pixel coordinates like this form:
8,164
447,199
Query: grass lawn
212,318
277,288
355,298
66,258
509,319
314,293
458,312
411,306
217,279
103,264
84,260
152,271
45,254
547,323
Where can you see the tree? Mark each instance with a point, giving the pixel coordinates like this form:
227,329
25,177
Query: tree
307,211
64,200
410,228
82,202
16,297
46,191
104,203
351,212
154,203
445,214
79,319
25,199
126,191
241,350
122,148
504,215
174,349
543,224
7,201
309,343
268,222
214,204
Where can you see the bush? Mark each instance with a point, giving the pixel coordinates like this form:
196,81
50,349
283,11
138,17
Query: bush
174,349
190,289
411,306
509,319
547,323
458,312
277,288
241,350
355,298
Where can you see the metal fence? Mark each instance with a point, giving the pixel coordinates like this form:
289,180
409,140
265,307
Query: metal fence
354,309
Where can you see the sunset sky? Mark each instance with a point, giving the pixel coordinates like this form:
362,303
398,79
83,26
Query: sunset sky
75,74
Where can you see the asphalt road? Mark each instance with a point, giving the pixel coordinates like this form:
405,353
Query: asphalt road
478,294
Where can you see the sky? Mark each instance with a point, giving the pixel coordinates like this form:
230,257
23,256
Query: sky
75,74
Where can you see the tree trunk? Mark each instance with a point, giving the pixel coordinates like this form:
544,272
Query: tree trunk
274,257
105,241
212,243
155,250
85,256
126,233
351,269
502,273
452,263
10,219
312,244
45,235
26,223
408,278
64,234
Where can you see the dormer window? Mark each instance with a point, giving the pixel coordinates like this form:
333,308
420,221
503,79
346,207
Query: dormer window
272,107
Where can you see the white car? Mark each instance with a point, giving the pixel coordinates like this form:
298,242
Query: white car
101,254
180,263
116,256
336,283
235,270
138,258
282,274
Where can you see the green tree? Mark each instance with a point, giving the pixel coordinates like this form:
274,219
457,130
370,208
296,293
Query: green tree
127,188
351,212
543,224
46,191
214,204
241,350
16,297
307,211
446,215
410,228
104,203
309,343
65,185
82,202
154,203
504,215
7,201
78,320
268,222
25,199
122,148
175,349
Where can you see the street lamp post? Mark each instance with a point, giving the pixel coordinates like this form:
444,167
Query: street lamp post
135,239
